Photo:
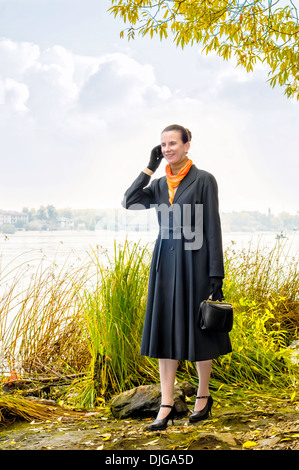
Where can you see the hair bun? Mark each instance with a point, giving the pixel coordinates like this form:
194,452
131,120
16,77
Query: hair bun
189,134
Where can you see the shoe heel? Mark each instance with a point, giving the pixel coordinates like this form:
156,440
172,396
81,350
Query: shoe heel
161,424
204,413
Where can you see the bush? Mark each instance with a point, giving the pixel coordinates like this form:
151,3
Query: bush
7,229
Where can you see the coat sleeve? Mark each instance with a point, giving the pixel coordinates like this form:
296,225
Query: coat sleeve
212,227
138,196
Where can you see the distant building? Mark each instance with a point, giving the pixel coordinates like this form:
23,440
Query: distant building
12,217
65,223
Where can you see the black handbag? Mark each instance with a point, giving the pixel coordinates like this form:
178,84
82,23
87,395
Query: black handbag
215,316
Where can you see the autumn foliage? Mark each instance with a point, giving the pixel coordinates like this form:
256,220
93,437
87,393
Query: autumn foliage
252,31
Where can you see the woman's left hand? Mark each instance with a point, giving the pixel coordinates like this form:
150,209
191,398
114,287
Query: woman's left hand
216,288
155,158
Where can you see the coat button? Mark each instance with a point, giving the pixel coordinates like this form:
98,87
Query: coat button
171,248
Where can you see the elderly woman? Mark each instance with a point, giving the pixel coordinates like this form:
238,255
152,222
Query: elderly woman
183,273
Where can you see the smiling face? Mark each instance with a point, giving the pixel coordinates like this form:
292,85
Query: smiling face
173,148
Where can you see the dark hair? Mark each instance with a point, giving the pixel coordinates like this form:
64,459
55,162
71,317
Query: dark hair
185,133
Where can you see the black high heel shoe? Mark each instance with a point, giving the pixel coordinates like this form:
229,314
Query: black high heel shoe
160,424
204,413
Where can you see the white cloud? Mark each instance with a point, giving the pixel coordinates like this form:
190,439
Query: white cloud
16,94
17,57
120,87
76,129
57,86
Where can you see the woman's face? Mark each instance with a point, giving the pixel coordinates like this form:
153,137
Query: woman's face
173,148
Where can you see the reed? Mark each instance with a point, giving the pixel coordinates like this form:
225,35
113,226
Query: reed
267,276
38,318
112,322
263,286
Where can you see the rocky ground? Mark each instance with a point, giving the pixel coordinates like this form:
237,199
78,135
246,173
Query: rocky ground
263,426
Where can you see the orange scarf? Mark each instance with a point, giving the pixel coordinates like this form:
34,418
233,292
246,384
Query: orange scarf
174,180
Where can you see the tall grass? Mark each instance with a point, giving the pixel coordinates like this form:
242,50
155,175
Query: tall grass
88,317
112,322
263,286
267,276
39,318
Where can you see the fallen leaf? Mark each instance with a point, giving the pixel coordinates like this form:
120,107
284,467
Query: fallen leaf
106,436
249,444
151,443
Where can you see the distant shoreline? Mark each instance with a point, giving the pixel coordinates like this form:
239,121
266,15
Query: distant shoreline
49,219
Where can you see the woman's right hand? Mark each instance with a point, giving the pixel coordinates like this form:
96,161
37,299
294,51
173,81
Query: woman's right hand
155,158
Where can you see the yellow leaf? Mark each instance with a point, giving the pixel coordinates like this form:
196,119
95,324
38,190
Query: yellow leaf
249,444
293,396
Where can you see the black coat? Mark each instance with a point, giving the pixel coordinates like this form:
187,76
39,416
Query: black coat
180,277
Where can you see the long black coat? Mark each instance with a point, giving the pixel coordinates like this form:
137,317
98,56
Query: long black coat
179,277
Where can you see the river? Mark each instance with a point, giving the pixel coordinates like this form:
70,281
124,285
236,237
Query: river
72,246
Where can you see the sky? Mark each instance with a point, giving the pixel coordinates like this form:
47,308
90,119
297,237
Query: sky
81,109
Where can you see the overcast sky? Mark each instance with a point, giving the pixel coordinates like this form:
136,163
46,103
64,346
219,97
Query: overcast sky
81,109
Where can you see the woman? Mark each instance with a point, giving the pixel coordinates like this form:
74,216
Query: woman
182,274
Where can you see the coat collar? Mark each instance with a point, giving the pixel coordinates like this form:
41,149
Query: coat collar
189,179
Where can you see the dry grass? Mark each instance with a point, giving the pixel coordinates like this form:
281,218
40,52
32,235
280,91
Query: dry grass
13,407
39,318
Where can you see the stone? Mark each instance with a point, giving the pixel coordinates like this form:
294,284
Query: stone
144,401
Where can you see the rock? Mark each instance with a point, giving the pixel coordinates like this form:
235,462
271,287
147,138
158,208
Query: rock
271,441
144,401
188,389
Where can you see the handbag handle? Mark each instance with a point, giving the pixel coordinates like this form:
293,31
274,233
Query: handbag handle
210,299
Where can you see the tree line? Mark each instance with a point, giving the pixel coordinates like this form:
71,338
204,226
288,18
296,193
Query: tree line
49,218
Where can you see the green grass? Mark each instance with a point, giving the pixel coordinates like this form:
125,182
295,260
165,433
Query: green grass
112,320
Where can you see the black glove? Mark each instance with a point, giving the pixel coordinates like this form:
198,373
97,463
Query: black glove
155,158
216,288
